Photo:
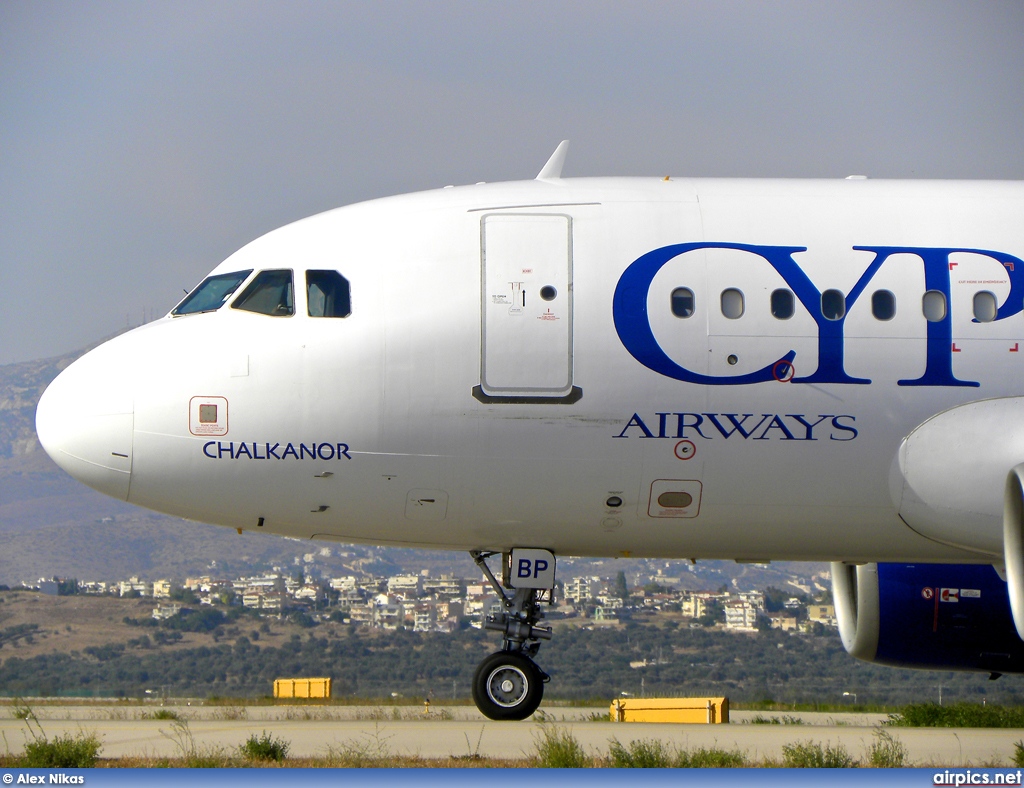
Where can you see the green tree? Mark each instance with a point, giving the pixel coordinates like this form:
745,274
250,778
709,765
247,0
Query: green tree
67,586
714,613
185,595
621,589
774,599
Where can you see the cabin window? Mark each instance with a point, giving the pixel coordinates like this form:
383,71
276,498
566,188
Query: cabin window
934,306
269,293
682,302
883,305
327,294
732,303
783,304
984,307
833,305
211,293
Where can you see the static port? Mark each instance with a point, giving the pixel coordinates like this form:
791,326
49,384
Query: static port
548,293
732,359
614,502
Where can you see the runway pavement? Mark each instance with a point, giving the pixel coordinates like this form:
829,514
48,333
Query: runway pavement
460,730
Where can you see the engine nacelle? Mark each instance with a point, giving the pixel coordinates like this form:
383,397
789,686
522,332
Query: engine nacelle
932,616
1013,543
949,476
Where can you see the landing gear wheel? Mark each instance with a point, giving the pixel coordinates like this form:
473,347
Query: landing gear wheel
507,686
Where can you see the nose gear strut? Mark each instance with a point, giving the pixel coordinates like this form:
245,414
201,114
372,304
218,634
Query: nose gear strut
508,685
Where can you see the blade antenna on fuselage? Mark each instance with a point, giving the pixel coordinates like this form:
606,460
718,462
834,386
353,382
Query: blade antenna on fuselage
553,169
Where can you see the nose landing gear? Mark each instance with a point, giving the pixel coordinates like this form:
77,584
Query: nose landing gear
508,685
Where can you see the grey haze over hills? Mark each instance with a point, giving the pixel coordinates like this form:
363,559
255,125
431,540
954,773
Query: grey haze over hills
51,525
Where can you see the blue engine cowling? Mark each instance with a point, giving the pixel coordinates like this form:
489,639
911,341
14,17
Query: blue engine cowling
932,616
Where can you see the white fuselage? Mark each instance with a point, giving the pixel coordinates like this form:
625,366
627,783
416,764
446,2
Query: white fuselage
457,408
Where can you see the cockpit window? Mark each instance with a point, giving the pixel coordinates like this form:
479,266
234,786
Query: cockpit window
211,293
269,293
327,294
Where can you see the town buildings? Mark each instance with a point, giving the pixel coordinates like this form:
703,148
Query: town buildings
422,603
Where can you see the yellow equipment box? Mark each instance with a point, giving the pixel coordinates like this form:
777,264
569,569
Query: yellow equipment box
302,688
691,710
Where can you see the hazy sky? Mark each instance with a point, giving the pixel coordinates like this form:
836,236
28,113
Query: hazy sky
141,143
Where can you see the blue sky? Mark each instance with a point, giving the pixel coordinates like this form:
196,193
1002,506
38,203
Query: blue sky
141,143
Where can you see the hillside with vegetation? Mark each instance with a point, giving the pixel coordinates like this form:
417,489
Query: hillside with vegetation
235,653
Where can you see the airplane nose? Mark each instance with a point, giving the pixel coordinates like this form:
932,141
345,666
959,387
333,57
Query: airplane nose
85,421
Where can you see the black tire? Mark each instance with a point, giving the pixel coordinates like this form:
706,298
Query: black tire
507,686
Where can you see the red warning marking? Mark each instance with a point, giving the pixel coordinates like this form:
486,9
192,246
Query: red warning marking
953,265
685,450
950,595
1015,348
783,371
955,348
927,593
1009,266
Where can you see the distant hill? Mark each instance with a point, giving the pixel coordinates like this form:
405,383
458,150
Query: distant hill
21,385
51,525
